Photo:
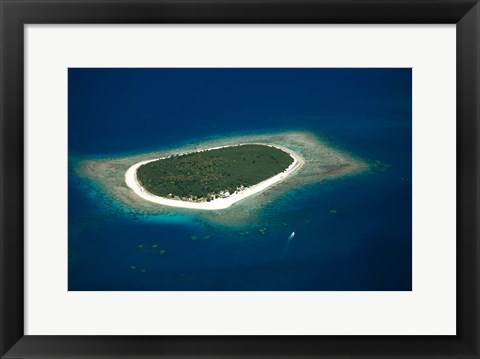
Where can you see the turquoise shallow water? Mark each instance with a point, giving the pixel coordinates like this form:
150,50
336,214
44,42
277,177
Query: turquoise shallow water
352,233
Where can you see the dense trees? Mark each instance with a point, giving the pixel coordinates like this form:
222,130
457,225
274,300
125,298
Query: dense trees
201,176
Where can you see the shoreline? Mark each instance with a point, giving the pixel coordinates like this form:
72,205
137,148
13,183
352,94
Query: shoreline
322,161
218,203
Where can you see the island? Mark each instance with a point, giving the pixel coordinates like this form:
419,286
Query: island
213,178
303,160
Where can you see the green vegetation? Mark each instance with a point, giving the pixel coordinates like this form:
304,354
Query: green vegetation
202,176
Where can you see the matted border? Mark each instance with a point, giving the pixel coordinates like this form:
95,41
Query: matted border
16,13
428,50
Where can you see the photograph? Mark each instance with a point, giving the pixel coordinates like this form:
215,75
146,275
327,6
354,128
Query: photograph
239,179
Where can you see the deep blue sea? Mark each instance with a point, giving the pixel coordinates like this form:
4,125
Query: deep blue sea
352,233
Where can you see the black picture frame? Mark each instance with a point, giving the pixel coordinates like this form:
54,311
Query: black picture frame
16,13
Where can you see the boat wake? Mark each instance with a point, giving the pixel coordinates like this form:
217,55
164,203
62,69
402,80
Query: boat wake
287,245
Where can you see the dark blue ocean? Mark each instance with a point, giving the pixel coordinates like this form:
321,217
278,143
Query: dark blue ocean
352,233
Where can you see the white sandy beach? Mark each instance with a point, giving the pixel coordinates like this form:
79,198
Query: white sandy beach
218,203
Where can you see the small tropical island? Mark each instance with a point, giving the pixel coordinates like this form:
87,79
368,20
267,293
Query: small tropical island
161,182
213,178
